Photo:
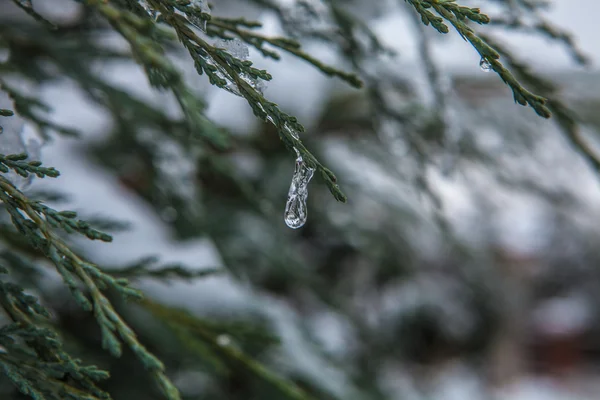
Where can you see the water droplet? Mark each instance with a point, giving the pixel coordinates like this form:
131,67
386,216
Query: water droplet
485,65
296,212
223,340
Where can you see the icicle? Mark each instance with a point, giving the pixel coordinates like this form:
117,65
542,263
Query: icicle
485,65
296,212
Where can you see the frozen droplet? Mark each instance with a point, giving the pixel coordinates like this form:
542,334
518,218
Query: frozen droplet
223,340
296,212
169,214
485,65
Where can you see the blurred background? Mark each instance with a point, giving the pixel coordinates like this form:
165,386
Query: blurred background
462,267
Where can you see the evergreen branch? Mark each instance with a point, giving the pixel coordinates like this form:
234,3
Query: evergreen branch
545,28
457,16
289,45
141,34
16,163
63,219
26,6
218,65
75,272
33,358
564,116
194,330
68,222
145,269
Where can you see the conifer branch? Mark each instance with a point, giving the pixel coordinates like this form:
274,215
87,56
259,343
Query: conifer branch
563,115
145,268
144,39
26,6
221,26
32,221
32,357
546,29
194,333
217,64
457,16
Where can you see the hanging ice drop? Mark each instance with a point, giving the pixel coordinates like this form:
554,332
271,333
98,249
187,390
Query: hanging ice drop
296,212
485,65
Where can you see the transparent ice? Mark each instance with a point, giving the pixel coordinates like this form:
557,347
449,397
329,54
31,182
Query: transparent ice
485,65
296,211
239,50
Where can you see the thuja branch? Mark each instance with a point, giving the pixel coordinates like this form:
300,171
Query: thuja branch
546,29
458,16
217,63
144,38
563,115
34,222
146,268
221,26
191,330
33,358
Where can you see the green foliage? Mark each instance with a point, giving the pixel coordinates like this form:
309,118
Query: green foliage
145,268
17,163
32,355
456,15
